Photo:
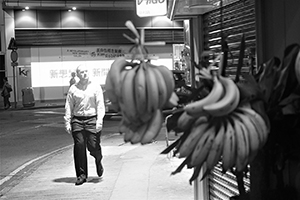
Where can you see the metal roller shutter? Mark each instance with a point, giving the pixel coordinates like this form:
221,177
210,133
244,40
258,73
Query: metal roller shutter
224,186
237,18
232,20
33,37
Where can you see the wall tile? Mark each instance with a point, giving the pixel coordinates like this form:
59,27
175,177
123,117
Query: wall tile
48,19
96,19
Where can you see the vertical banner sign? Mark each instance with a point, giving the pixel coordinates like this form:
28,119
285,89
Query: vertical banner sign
148,8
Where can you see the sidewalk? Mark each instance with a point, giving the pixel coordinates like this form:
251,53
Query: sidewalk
37,105
132,172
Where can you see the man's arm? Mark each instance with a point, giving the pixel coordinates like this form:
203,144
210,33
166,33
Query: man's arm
68,111
100,108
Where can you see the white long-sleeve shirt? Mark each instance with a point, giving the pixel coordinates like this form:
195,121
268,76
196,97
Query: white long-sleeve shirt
88,102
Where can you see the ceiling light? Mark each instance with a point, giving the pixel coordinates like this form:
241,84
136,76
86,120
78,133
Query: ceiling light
69,10
26,8
74,8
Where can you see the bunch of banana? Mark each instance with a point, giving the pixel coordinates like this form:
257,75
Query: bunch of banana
219,128
234,139
139,91
223,98
297,67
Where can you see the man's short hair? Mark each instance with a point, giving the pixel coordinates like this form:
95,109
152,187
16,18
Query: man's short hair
81,66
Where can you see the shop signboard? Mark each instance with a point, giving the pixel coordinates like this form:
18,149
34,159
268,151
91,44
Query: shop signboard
150,8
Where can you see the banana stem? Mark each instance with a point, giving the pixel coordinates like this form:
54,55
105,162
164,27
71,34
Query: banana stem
129,38
142,39
214,72
139,42
131,27
141,52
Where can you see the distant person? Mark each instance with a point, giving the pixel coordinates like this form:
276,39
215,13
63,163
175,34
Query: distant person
5,93
84,112
73,79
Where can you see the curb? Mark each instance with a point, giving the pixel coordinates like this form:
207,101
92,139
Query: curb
39,107
33,107
26,169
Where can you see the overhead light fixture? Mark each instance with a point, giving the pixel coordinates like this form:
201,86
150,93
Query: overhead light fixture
73,8
26,8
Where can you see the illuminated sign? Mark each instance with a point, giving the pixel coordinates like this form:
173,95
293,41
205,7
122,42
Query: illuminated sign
147,8
51,74
57,74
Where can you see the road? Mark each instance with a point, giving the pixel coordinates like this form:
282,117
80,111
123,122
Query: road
27,135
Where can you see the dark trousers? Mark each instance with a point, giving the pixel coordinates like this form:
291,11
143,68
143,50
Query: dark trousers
85,136
6,101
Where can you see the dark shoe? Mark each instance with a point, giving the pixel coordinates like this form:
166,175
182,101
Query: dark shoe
80,180
7,107
99,168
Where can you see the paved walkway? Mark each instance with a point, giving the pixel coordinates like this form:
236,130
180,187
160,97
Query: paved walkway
132,172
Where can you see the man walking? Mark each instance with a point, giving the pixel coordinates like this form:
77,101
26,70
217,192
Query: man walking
73,79
84,112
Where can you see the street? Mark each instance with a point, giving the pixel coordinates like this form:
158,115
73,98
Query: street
30,135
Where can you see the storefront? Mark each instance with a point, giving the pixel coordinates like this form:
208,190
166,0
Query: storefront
262,29
247,34
52,42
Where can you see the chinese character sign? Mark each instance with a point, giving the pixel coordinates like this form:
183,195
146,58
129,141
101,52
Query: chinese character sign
96,53
51,74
